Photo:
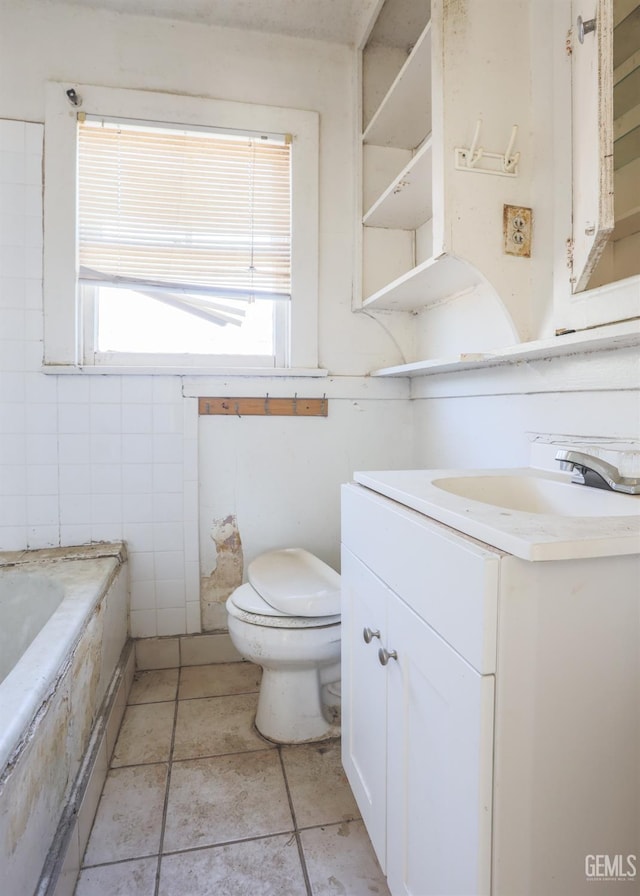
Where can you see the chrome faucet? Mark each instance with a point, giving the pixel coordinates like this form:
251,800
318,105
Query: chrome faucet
594,471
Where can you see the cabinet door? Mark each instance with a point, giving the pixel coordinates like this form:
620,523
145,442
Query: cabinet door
364,696
592,119
440,757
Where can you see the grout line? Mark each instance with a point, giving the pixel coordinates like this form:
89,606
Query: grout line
303,863
205,846
215,696
224,755
166,795
151,702
329,824
151,855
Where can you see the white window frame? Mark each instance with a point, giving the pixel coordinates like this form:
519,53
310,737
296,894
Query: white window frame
88,333
63,325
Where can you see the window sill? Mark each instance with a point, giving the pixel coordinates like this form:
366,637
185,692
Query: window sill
185,371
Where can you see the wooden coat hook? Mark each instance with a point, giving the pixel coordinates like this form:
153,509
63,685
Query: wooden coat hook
264,407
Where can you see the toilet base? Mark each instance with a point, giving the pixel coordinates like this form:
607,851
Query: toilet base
290,708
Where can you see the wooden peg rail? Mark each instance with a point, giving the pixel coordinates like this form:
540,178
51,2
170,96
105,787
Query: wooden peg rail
264,407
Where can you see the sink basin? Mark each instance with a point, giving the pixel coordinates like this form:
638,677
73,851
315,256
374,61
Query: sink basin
531,513
539,494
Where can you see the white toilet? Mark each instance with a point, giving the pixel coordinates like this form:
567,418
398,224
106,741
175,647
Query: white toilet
286,618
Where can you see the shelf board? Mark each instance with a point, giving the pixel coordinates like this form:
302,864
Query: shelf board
622,335
391,125
407,202
429,282
395,23
626,224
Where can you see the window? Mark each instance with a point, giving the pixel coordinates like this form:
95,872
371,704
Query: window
176,235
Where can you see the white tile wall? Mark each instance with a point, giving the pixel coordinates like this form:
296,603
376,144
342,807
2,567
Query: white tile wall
89,458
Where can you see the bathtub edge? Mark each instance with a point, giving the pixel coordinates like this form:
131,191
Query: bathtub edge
62,865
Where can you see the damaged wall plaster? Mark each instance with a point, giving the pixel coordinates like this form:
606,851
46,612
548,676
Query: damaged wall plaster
224,577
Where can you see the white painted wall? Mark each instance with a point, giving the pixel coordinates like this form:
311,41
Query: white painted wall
495,417
90,457
281,477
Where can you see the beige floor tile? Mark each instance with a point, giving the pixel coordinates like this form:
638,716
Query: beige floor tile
154,687
269,867
219,679
213,726
318,785
134,878
340,860
129,816
145,735
226,798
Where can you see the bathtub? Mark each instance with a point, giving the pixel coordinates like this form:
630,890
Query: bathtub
63,627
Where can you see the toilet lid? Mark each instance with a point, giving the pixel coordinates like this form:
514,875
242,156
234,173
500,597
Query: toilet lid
296,582
245,603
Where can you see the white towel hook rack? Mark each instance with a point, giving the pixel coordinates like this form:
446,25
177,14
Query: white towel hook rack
476,158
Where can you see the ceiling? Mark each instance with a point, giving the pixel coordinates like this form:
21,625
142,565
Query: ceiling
337,21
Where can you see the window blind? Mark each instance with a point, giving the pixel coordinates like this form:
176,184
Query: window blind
171,212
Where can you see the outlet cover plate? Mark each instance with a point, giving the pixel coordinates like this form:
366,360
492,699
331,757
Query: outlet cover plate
516,225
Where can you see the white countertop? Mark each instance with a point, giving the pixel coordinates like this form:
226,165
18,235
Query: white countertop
525,534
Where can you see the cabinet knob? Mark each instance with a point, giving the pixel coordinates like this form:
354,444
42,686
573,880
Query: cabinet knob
585,27
368,634
385,655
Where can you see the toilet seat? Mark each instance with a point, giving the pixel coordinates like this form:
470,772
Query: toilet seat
296,583
246,604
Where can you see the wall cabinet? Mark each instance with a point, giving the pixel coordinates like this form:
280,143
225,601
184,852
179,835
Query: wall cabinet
467,108
606,154
491,707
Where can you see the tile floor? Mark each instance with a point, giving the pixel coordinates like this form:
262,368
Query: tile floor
197,803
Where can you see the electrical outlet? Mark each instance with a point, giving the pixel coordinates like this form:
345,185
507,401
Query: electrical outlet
516,224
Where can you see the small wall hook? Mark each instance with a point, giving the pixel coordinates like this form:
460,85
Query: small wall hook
510,161
475,154
266,404
477,159
73,97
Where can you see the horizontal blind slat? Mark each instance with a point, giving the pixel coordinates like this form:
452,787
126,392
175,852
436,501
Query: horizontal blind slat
192,208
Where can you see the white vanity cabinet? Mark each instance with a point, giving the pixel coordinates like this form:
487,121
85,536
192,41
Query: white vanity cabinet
491,720
418,715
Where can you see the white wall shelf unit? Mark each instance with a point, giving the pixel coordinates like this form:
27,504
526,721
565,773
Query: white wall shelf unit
429,232
621,335
399,258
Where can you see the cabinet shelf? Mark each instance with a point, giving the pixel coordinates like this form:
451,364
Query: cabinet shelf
431,281
391,125
407,202
626,224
